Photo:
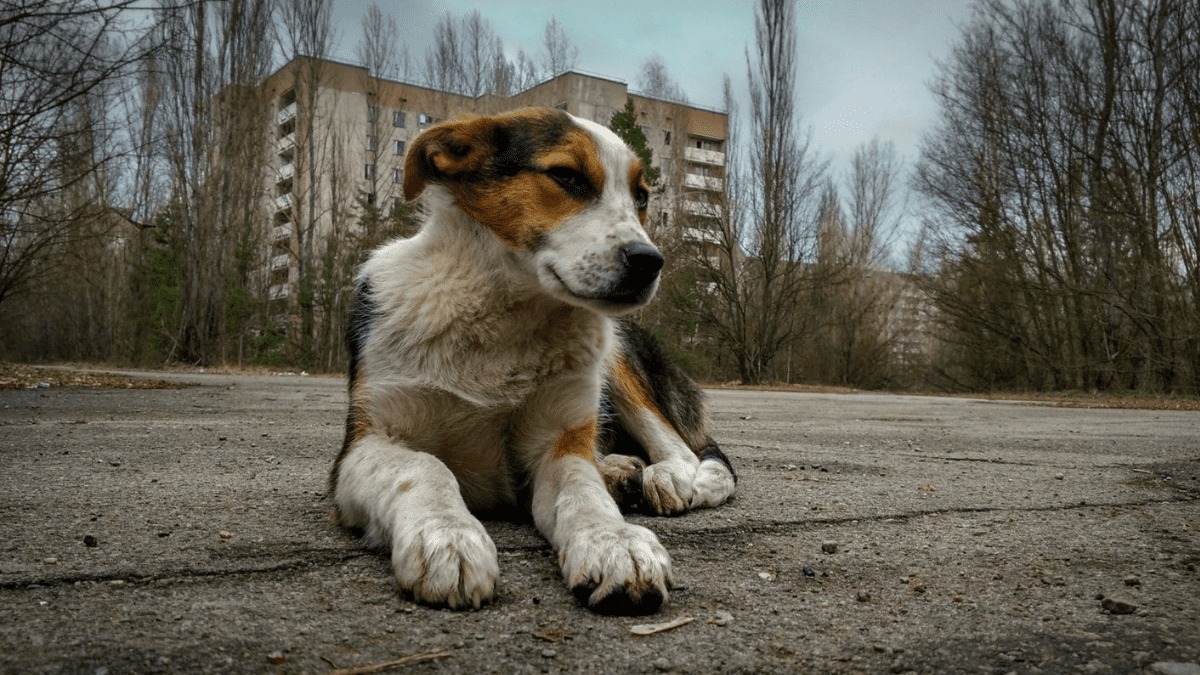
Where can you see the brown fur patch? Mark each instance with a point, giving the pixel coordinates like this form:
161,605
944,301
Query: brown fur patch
633,391
579,441
516,205
637,181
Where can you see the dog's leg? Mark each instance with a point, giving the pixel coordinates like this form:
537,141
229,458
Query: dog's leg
611,566
410,502
678,478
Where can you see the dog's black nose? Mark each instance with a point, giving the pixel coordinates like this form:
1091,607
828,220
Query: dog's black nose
641,260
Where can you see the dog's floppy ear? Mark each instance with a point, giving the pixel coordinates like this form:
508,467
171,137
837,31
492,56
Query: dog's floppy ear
449,150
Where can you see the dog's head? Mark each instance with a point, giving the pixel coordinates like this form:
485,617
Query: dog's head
565,194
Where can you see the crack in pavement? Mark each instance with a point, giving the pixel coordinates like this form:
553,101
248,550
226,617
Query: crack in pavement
787,526
326,558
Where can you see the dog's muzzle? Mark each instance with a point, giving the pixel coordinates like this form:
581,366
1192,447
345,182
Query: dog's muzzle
640,265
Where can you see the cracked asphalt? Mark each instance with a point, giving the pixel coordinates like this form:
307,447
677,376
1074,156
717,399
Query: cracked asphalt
186,530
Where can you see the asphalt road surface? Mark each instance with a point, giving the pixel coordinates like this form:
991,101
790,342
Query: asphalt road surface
187,530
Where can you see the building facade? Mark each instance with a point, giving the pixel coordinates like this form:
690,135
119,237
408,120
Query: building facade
339,137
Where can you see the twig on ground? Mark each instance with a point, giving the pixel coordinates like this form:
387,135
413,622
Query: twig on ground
403,661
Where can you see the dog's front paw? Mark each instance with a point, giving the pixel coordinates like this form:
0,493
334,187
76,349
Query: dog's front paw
446,560
619,569
713,486
668,486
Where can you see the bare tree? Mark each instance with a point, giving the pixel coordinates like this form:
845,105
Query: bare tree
308,39
1060,249
215,149
655,81
467,57
561,53
61,67
756,246
854,309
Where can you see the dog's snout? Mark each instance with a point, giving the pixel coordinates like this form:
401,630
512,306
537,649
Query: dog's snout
641,260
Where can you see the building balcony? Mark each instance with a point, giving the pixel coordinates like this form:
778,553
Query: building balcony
283,202
279,292
281,233
286,113
703,209
280,261
285,172
697,182
710,157
701,235
286,143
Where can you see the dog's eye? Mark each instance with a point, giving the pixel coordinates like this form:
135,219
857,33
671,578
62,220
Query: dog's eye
571,181
641,198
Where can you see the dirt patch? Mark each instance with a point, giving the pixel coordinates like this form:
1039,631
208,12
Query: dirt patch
17,376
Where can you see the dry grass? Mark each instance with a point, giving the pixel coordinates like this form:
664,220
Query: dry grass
1071,399
18,376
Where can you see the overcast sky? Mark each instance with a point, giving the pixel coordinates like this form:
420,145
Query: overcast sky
864,64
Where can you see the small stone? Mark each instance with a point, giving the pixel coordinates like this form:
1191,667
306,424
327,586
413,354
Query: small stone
829,547
90,541
1059,476
276,658
766,576
1132,581
919,587
661,664
50,561
549,653
721,619
1119,605
808,571
863,596
225,534
1175,668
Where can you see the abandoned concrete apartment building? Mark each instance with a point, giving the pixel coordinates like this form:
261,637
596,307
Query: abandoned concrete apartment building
364,124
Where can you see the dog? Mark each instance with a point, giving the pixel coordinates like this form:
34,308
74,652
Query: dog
491,370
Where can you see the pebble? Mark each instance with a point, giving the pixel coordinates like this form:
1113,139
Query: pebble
1119,605
1059,476
661,664
829,547
721,619
808,571
863,596
90,541
50,561
549,653
225,534
276,658
1132,581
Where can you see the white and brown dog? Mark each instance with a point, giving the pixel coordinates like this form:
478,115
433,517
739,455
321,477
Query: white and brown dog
488,373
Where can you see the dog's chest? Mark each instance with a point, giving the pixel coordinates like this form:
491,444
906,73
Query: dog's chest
488,348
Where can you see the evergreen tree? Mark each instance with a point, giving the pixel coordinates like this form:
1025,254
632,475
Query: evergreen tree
624,124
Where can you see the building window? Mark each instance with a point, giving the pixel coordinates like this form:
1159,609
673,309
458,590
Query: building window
398,175
398,119
372,113
370,199
666,138
369,172
424,120
372,142
400,147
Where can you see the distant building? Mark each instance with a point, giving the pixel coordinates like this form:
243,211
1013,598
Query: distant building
351,154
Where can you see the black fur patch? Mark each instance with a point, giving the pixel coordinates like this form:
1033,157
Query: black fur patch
358,325
712,452
673,392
